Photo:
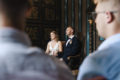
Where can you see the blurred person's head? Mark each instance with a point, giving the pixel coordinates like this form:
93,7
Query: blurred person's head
14,12
69,31
54,35
107,17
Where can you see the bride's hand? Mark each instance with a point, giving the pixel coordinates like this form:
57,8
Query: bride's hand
55,53
61,59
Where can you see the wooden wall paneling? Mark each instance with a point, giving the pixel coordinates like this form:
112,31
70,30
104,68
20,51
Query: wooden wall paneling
69,12
76,16
45,16
73,13
62,19
51,17
33,25
80,15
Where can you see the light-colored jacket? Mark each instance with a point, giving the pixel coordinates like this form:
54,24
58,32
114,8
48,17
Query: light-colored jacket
103,62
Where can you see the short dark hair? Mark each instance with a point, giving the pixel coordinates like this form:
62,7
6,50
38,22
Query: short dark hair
15,11
71,28
14,7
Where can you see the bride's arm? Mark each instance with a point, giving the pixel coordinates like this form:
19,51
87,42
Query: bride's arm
60,46
47,50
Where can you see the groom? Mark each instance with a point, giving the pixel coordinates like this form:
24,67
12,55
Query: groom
71,46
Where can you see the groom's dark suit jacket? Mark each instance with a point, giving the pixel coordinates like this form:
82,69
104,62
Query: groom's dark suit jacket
71,49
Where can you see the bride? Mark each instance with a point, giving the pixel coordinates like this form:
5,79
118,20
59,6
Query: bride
54,46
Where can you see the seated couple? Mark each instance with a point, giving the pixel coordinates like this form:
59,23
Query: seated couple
70,48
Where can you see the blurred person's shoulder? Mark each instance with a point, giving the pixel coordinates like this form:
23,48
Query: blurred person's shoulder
100,61
93,64
100,56
37,60
35,50
38,55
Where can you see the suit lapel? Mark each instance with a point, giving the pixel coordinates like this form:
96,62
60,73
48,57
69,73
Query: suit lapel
70,42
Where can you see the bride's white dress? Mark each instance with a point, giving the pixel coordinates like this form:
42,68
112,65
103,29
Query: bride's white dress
55,48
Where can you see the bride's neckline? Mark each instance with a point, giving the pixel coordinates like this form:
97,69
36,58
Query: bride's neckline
54,45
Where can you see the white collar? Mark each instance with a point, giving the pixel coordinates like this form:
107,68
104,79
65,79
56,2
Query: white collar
71,36
111,40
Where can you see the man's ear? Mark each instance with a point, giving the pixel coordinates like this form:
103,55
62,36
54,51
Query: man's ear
109,17
28,12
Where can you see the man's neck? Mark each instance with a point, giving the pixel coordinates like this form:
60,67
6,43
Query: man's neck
70,36
54,40
113,29
5,22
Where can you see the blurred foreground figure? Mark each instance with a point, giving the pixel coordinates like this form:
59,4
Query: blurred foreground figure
49,69
17,57
103,64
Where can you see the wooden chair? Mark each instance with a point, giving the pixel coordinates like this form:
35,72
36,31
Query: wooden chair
75,61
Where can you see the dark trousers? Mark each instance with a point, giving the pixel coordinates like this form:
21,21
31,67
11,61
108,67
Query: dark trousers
65,59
